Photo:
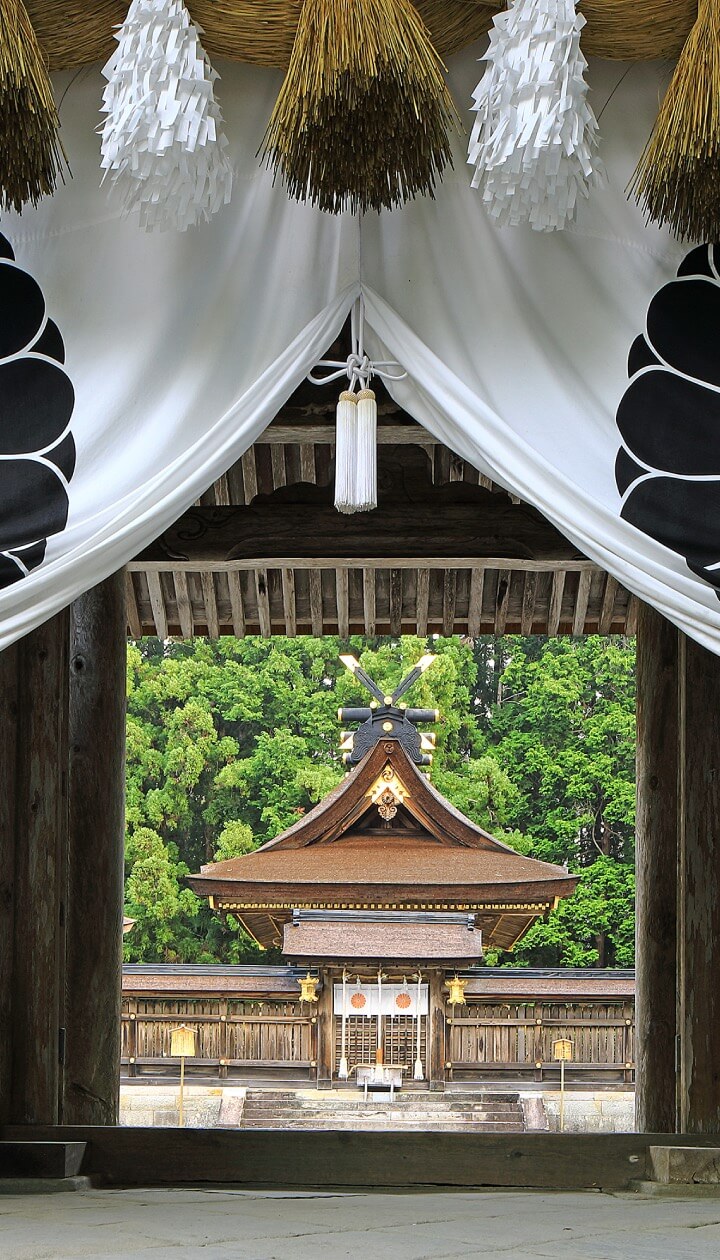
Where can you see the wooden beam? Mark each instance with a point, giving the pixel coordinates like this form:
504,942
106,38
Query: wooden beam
236,605
656,865
422,602
183,605
133,614
9,726
93,974
297,525
608,607
369,601
527,613
343,602
316,603
249,471
41,830
632,615
157,603
288,589
263,602
556,602
449,598
436,1029
324,435
477,583
207,582
502,599
279,472
581,602
396,601
699,889
307,462
221,490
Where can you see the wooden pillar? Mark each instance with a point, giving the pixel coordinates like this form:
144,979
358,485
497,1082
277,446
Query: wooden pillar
8,762
699,890
40,826
436,1028
325,1031
98,646
656,870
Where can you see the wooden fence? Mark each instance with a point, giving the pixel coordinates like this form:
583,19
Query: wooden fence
516,1039
491,1037
231,1034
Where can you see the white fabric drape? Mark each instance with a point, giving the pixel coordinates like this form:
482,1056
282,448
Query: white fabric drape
181,348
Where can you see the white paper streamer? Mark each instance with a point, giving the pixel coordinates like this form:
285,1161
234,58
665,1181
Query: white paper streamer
163,144
534,141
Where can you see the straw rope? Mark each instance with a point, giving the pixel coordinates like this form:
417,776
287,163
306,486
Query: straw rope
73,33
677,180
32,153
363,117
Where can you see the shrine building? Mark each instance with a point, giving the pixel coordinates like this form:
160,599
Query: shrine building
385,892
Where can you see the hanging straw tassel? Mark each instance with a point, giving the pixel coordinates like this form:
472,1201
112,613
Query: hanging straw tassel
163,143
363,117
32,155
534,138
677,181
366,466
345,451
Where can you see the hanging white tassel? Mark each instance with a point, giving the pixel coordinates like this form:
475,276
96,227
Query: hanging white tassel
345,452
366,465
163,143
534,141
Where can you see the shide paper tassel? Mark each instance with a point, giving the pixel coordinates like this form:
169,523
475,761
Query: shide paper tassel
533,144
677,180
163,144
32,155
363,117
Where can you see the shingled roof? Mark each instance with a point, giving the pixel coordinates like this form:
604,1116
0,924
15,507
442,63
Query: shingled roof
422,854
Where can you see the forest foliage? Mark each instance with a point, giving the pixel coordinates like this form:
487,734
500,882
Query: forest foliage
229,742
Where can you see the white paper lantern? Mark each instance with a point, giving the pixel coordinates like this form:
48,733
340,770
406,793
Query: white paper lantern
163,145
534,141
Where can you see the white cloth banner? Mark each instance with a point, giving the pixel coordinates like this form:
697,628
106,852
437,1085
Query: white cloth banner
182,347
394,999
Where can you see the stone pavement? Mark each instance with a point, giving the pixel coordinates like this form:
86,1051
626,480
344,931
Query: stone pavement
208,1224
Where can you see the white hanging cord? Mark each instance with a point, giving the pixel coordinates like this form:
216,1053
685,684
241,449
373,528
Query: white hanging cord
358,367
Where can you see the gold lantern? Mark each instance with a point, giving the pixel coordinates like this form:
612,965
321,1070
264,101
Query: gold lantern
457,991
308,988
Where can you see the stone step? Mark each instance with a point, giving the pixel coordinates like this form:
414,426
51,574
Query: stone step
40,1160
387,1125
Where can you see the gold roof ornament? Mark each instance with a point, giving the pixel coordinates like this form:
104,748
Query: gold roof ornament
456,986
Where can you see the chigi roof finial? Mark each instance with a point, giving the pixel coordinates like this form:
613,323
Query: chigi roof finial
386,718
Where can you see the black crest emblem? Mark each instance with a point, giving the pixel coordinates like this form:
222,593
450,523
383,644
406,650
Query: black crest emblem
668,469
37,451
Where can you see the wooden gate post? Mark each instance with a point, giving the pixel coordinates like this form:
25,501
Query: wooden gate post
436,1028
98,655
699,890
325,1031
656,870
40,833
8,763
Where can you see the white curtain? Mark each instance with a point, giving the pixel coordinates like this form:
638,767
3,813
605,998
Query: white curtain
182,347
